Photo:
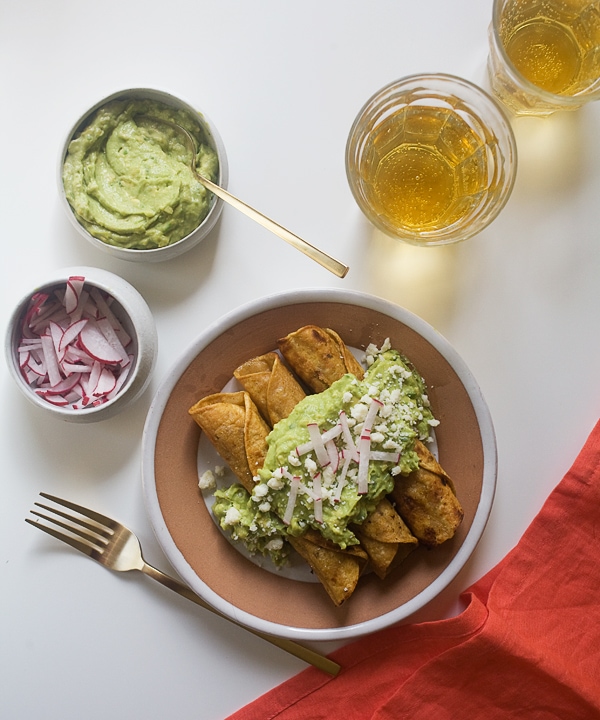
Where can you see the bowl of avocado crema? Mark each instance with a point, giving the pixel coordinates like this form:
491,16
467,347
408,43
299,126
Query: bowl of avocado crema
126,178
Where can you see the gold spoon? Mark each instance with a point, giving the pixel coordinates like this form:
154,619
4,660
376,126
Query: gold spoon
325,260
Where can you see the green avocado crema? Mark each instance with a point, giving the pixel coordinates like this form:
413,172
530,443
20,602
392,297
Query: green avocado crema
128,178
404,415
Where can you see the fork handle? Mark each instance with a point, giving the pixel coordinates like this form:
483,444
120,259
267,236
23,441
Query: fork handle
310,656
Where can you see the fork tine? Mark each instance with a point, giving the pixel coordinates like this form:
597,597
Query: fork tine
102,519
96,528
73,542
96,540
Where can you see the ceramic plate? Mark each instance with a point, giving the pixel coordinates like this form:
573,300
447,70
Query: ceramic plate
172,454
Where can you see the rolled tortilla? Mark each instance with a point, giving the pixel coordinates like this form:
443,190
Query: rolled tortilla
385,538
427,502
338,570
318,356
233,424
272,387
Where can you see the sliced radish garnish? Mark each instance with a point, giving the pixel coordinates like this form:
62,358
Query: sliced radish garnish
93,379
291,503
348,439
92,340
111,337
73,293
318,445
56,333
106,383
304,448
318,498
70,334
332,454
106,312
372,413
72,346
382,456
51,360
364,447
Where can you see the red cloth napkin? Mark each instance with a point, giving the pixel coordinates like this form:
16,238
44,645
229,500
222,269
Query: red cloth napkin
526,646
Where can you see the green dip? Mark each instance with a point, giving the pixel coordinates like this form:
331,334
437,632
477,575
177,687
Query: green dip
404,415
128,179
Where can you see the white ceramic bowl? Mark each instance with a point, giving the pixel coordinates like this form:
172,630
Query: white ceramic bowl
199,233
174,452
132,312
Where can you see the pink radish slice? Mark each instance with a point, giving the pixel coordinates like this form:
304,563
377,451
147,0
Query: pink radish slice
111,337
73,293
62,387
106,312
51,360
53,399
96,345
93,379
291,503
70,334
106,383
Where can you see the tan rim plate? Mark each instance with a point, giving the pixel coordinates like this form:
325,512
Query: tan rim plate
217,570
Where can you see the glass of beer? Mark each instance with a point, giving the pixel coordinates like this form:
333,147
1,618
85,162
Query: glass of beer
545,56
431,159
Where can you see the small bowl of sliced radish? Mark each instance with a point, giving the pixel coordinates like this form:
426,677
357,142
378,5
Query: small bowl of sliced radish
82,345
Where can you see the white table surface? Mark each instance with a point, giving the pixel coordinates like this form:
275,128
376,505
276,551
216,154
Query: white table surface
283,82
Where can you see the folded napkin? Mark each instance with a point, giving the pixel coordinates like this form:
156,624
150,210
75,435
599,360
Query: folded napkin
526,646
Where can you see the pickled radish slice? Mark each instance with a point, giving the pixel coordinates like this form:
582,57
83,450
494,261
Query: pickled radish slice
289,510
73,348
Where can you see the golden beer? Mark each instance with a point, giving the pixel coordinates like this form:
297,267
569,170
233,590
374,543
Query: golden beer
431,159
424,168
545,54
553,44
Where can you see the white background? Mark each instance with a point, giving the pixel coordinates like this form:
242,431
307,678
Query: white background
283,82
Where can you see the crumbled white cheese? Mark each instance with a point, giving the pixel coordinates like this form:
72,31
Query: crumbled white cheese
328,475
274,544
275,483
293,459
207,480
260,490
311,465
232,516
359,411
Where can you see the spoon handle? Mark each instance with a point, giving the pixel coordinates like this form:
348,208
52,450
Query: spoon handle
325,260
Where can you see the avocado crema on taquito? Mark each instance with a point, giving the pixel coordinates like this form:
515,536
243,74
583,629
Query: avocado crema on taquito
325,473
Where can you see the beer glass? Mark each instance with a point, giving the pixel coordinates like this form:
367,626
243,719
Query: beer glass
431,159
544,56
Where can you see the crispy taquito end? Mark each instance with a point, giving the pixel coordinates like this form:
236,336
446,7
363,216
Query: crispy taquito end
318,356
384,557
233,424
272,387
338,570
426,501
385,538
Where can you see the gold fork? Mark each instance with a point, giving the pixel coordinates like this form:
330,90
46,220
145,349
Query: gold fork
116,547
